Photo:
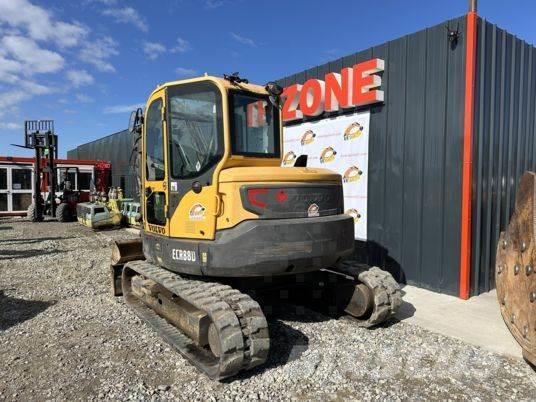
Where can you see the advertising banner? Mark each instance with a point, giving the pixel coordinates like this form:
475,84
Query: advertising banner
340,144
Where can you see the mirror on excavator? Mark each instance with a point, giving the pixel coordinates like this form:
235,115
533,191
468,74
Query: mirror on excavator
136,121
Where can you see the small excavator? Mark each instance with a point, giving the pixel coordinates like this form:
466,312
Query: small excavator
224,225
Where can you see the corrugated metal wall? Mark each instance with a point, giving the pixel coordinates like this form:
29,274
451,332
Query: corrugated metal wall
504,146
117,149
414,194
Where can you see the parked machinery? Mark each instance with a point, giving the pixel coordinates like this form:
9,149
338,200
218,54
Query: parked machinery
222,220
131,212
98,216
54,192
39,135
110,210
105,210
68,198
515,271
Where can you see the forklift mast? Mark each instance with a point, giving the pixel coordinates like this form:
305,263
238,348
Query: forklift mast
39,135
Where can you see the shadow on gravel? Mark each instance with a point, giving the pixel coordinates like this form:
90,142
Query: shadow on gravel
286,344
36,240
310,312
14,311
4,220
6,227
11,254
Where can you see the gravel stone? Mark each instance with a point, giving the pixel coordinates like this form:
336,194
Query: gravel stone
63,337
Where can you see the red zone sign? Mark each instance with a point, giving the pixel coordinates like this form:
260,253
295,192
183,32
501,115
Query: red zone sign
354,86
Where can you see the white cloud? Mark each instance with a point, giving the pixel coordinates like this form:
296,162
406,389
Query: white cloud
243,40
122,108
9,69
153,49
81,98
98,52
127,15
79,78
40,23
34,41
12,97
10,126
182,46
31,57
213,3
33,88
185,72
26,90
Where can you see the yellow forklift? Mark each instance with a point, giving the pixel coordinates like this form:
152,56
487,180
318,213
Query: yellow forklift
222,221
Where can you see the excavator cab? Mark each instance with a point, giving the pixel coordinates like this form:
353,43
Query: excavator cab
216,200
218,209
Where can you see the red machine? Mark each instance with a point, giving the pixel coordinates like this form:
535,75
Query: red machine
71,192
18,180
45,174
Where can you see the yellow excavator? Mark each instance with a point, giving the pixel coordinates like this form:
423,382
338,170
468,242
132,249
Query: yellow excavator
225,224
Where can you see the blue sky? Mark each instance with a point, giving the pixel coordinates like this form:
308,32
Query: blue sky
87,63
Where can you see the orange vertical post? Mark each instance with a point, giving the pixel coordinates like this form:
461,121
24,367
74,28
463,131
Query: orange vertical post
468,121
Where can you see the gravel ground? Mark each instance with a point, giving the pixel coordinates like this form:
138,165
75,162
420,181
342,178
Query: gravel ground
64,337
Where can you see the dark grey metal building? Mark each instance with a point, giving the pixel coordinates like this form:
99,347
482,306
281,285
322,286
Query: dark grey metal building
504,140
446,149
119,149
415,150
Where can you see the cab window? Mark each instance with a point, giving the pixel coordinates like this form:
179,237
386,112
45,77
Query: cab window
254,125
195,128
154,142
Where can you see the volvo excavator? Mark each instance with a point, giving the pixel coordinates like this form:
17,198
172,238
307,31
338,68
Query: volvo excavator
225,226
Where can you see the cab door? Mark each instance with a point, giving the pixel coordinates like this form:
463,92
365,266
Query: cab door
154,161
196,148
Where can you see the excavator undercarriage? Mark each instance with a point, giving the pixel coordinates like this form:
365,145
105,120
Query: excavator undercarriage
217,324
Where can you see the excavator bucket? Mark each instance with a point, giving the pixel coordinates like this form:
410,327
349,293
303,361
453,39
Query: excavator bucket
123,251
515,269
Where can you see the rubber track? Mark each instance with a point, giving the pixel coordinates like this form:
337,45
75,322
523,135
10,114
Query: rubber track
238,334
386,291
253,324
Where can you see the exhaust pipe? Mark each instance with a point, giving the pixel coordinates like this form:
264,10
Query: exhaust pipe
473,6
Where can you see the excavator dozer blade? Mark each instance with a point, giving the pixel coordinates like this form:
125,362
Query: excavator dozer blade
123,251
127,250
515,274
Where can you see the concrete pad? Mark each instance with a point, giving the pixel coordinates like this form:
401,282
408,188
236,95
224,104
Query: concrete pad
477,321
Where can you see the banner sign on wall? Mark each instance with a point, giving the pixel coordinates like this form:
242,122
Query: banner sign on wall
354,86
339,144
